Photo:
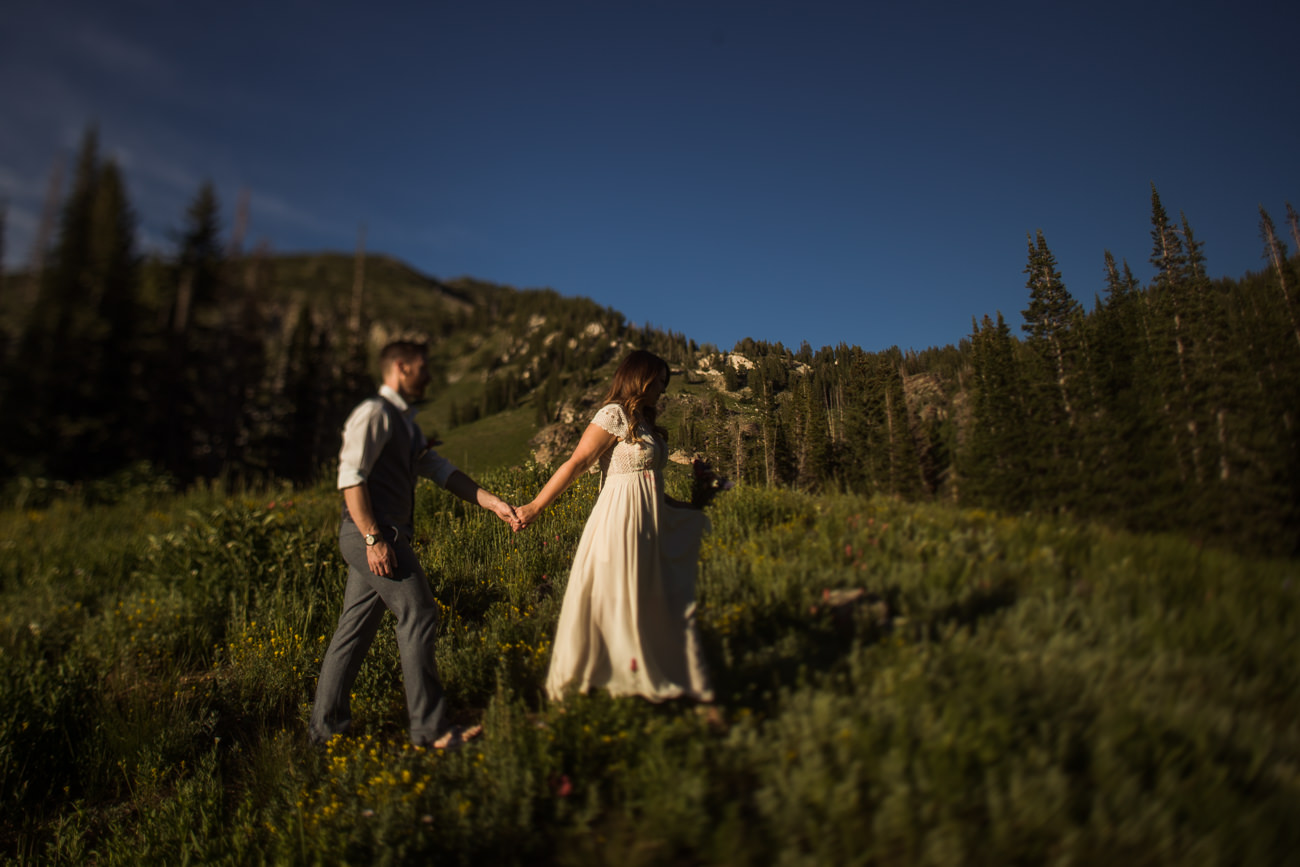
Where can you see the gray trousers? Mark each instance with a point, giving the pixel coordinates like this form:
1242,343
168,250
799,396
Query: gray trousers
407,594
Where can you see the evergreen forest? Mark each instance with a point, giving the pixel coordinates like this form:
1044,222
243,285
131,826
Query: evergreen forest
1162,407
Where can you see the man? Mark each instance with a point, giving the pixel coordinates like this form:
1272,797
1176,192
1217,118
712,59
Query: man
383,453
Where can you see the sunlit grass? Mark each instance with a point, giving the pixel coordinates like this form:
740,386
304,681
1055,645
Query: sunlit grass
901,683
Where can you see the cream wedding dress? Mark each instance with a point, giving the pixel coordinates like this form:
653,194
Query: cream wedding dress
628,620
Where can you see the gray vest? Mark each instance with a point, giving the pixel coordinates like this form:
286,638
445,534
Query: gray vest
392,479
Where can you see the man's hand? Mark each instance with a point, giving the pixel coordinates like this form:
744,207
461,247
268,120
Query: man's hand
381,558
506,512
469,490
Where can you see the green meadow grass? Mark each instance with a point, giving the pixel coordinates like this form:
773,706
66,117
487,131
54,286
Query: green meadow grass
1006,690
498,440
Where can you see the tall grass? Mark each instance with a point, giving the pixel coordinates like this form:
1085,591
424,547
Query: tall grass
901,684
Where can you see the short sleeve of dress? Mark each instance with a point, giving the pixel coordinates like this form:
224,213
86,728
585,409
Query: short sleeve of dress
612,420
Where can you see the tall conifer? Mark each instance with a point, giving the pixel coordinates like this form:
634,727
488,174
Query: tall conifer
1048,319
1050,380
1170,295
993,467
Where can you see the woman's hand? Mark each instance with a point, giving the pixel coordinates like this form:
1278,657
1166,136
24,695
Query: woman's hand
528,512
595,441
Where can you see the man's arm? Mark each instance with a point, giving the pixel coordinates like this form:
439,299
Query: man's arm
468,490
380,556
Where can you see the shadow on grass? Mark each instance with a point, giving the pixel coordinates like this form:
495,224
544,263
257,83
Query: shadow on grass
789,646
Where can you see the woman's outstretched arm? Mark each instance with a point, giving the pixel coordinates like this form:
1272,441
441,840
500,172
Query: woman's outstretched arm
595,441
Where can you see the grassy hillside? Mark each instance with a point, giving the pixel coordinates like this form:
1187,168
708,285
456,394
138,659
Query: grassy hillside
901,684
496,441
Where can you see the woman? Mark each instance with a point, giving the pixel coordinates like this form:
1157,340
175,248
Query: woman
627,624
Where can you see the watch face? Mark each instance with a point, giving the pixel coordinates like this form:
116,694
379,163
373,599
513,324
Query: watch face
370,539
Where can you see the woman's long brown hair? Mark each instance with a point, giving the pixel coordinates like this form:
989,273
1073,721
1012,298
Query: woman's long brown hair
633,377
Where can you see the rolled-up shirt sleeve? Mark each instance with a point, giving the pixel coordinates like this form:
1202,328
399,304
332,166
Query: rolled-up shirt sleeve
365,434
434,466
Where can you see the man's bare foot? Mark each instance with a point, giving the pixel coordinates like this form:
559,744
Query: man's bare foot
456,737
712,715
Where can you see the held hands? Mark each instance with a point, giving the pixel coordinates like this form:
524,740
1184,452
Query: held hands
527,513
507,513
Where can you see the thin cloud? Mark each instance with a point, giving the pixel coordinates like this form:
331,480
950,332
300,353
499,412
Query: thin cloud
20,218
20,187
151,168
117,54
148,241
279,210
20,233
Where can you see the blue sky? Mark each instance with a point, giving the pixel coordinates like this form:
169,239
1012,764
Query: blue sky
863,173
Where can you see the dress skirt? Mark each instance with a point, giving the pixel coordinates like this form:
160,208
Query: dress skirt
627,624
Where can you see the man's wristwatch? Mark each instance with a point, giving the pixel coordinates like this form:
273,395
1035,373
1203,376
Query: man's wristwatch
371,539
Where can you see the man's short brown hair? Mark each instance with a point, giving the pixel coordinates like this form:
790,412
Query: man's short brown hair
405,351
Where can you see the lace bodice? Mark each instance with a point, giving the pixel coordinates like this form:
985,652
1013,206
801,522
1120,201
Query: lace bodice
625,457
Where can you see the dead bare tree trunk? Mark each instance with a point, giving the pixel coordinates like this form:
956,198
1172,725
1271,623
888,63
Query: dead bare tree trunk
1223,446
181,313
239,228
1275,256
769,450
358,285
45,230
739,453
4,212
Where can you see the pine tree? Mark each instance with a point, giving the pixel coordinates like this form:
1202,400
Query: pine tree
59,304
1167,254
304,400
201,257
1050,377
113,396
813,467
730,376
904,462
1114,431
993,458
74,374
1170,300
1048,319
49,376
1118,287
